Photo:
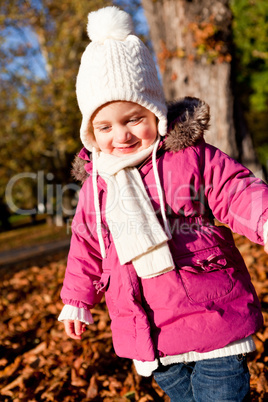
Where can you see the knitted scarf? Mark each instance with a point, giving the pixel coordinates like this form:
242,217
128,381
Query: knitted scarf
136,231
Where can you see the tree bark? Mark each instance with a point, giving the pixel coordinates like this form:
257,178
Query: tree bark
193,45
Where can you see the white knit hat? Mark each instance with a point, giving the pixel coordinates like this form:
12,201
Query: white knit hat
115,66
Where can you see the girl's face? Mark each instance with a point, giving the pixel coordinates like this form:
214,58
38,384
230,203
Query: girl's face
123,128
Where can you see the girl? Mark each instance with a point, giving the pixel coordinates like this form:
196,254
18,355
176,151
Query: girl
181,302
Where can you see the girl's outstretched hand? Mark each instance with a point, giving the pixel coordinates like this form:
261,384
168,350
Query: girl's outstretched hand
74,329
266,247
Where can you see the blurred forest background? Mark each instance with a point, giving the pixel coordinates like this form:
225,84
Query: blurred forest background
216,50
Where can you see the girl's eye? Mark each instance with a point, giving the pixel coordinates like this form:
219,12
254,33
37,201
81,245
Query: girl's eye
135,119
103,129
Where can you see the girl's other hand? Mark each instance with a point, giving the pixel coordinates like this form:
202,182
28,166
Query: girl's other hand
74,329
266,247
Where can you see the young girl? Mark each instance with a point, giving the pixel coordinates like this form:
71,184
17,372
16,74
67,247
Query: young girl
181,302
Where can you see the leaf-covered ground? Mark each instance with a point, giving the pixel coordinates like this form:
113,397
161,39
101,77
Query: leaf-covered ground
39,363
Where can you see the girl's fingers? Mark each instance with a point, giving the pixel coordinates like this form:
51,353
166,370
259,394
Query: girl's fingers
79,327
71,328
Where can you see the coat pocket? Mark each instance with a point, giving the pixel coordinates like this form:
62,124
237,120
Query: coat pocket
206,275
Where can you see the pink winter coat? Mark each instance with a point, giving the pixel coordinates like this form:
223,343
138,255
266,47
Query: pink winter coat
209,300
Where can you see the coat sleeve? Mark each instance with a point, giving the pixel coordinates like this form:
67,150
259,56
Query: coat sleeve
84,264
234,195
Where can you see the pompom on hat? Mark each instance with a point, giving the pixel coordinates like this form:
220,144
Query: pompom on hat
116,66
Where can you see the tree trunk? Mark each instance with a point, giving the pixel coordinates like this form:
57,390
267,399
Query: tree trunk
192,42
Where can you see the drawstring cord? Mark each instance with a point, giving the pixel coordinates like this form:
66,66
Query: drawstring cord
159,190
97,204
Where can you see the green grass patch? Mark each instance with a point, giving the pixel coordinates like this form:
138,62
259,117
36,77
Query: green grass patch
32,235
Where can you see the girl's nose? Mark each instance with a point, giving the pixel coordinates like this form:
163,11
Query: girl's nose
122,135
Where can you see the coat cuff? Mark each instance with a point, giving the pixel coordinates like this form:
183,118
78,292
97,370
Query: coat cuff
265,232
75,313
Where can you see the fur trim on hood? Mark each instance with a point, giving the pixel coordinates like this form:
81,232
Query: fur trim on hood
188,119
78,171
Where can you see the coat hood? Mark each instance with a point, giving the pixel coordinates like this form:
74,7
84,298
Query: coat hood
188,119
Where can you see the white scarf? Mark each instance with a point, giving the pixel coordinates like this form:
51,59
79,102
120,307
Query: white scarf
136,231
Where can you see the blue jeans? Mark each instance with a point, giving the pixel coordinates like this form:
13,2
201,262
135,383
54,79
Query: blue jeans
215,380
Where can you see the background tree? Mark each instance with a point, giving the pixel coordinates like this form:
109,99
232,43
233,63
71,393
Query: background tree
250,32
42,42
193,44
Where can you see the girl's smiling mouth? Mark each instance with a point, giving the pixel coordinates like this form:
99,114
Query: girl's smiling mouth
127,148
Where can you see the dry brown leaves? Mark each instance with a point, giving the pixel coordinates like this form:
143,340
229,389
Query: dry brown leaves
257,262
39,363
